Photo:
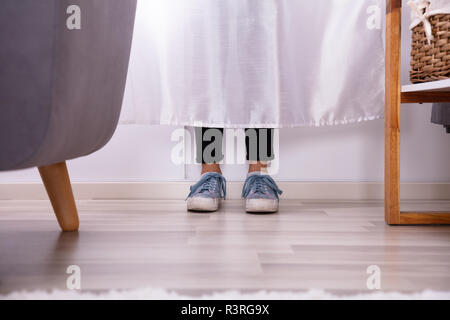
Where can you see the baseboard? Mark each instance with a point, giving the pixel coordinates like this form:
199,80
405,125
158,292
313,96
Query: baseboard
179,190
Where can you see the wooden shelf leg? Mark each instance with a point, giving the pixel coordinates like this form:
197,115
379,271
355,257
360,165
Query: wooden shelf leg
57,183
392,111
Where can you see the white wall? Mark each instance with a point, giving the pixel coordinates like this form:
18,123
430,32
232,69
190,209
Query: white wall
341,153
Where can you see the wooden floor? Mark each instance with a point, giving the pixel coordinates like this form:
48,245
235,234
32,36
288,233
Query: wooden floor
133,243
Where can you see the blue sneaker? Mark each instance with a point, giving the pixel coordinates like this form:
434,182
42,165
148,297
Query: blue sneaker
207,193
260,193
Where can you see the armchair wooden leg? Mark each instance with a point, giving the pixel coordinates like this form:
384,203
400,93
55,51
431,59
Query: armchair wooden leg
57,183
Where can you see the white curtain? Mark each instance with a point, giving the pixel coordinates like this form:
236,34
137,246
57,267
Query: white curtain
256,63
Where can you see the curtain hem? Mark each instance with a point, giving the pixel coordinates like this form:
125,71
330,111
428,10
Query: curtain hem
257,125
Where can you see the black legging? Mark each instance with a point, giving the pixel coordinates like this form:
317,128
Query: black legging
258,144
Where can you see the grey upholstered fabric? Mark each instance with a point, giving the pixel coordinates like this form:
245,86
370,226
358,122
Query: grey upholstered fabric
441,115
61,90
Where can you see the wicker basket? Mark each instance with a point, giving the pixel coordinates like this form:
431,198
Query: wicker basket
431,62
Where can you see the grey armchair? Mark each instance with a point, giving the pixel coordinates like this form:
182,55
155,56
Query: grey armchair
63,67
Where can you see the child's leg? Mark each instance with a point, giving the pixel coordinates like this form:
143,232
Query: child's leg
259,146
207,193
260,190
209,148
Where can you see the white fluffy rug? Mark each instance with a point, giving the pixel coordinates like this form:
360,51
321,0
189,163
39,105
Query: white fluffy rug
161,294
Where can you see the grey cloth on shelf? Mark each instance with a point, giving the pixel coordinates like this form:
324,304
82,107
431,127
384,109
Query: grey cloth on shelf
440,114
61,90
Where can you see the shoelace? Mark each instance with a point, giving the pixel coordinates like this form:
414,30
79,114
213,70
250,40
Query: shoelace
208,182
259,184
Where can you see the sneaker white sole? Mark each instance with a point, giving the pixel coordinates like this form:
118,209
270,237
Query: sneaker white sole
261,205
203,204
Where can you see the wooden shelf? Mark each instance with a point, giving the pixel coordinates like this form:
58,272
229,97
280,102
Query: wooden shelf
427,92
424,218
436,91
434,86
